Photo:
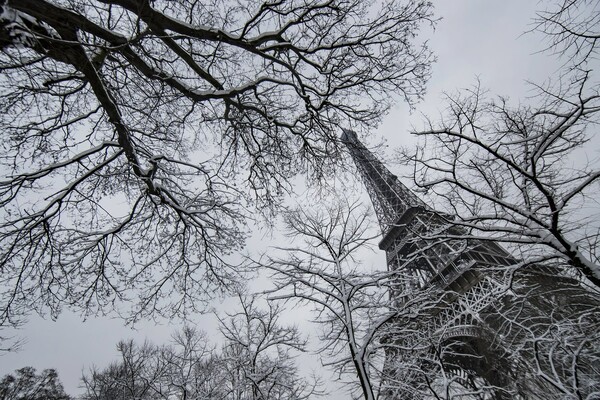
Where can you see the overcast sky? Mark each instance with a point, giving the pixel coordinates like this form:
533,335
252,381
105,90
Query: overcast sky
475,38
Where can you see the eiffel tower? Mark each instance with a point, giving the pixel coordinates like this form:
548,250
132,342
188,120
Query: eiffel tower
484,326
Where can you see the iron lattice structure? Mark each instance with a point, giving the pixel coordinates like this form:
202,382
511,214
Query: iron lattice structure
485,325
390,198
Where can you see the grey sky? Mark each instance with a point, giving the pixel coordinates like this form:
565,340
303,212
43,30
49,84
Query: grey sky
476,38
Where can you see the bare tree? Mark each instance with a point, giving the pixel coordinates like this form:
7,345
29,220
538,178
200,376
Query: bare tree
571,28
139,374
255,362
526,174
258,354
351,303
519,175
136,132
193,369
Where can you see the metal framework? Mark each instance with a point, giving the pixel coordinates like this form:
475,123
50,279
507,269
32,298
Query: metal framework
390,197
472,282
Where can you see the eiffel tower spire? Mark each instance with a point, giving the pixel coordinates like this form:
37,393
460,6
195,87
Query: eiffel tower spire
391,199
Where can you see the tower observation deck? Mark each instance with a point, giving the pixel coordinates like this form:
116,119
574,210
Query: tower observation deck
488,328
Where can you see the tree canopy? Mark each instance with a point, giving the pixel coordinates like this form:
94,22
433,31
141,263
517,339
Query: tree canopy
138,135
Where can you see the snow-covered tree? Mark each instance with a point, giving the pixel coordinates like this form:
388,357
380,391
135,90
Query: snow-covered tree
253,361
258,354
193,368
139,374
527,174
351,302
137,134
